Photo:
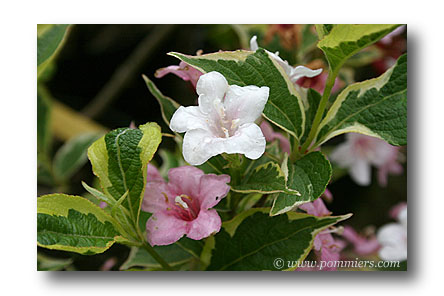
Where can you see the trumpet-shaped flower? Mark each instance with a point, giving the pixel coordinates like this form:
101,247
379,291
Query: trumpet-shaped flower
359,152
223,122
183,70
183,205
393,238
293,73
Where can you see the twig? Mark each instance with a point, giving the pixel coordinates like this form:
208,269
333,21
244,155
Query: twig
127,71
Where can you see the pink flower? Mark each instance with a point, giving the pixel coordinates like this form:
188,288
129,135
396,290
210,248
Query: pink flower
270,135
182,206
326,247
359,152
362,245
183,70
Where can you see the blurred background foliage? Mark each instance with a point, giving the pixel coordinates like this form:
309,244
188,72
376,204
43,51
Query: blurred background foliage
94,84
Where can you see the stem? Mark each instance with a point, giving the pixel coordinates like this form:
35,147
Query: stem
156,256
321,108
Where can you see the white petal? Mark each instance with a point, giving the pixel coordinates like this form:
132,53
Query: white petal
301,71
402,217
342,155
188,118
393,239
245,103
253,43
211,88
248,140
360,172
199,145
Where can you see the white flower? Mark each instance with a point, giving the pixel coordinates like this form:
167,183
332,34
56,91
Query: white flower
223,121
359,152
393,239
294,73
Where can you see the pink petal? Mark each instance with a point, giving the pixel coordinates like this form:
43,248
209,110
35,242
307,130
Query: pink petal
154,198
153,173
362,246
316,208
328,195
185,180
270,135
184,71
212,189
163,229
204,225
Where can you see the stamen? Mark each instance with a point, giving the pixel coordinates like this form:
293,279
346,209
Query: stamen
180,202
234,124
227,134
166,197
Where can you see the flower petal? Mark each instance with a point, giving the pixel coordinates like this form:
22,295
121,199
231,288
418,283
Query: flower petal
185,180
211,89
343,155
153,173
204,225
245,103
154,197
360,172
302,71
163,229
253,43
212,189
199,145
248,140
393,239
188,118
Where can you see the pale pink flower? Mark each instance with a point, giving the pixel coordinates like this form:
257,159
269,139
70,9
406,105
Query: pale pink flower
325,246
361,244
393,238
183,205
224,121
183,70
270,135
359,152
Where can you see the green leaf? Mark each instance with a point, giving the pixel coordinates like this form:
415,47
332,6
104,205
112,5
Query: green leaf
72,223
376,107
254,240
284,107
73,155
309,176
266,178
120,160
49,39
167,105
43,121
323,29
343,41
46,263
175,254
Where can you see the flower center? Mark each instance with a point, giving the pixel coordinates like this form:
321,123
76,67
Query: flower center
222,124
184,207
